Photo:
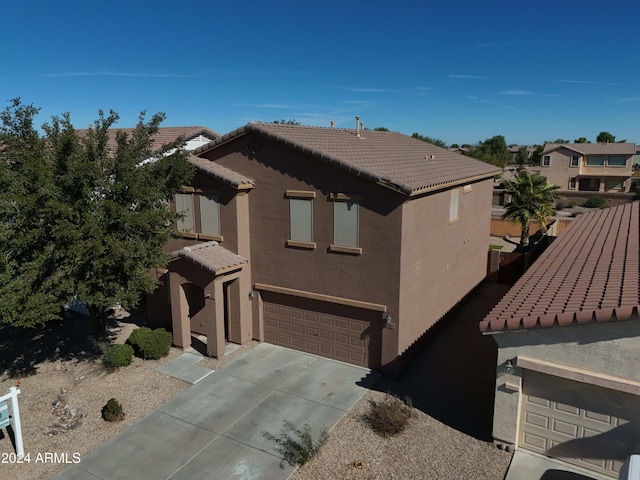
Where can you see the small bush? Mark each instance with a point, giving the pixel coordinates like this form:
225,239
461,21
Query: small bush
295,444
572,204
561,205
390,416
595,201
112,411
150,344
118,356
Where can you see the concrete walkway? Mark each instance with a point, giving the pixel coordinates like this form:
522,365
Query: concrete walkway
214,428
527,465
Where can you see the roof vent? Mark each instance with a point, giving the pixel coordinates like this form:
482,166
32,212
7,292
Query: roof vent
430,157
333,124
357,126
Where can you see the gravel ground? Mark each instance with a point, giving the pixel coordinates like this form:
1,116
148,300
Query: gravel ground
427,449
60,405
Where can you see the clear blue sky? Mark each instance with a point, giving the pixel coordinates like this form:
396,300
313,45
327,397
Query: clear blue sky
461,71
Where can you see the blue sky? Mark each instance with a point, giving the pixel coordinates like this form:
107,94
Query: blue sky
461,71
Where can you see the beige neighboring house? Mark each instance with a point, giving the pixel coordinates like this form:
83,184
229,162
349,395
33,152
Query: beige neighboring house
591,167
343,243
568,335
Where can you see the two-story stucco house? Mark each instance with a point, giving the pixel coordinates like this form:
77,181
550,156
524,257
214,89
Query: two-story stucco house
343,243
594,167
568,335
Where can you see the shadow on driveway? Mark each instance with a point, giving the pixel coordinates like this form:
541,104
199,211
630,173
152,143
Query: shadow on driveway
453,378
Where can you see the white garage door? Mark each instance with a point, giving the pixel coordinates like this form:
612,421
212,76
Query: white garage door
589,426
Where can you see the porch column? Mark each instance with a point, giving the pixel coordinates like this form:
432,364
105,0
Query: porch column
179,313
214,305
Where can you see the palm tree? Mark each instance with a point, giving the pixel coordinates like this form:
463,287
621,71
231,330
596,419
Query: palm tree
531,199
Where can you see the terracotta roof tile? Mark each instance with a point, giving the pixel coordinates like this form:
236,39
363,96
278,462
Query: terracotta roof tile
403,163
590,273
211,256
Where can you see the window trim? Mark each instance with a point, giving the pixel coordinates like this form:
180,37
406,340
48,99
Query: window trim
577,159
617,166
197,233
587,164
546,161
307,197
454,205
344,198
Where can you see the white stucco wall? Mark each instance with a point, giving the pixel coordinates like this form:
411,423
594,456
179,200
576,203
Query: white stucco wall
609,350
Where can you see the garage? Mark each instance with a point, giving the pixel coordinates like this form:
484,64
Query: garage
341,332
586,425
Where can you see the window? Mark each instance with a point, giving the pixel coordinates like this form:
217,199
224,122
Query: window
301,219
200,215
184,206
616,161
574,161
546,160
613,184
345,224
572,182
209,215
453,205
595,161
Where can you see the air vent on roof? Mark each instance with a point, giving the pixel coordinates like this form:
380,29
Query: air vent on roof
357,126
430,157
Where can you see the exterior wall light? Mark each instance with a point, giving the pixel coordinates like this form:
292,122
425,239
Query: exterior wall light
388,320
252,294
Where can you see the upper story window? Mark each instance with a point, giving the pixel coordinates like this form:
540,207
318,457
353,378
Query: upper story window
546,160
199,214
595,161
575,159
454,205
616,161
346,223
300,218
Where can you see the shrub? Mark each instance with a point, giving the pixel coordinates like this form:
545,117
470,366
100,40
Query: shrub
390,416
150,344
572,203
118,356
561,205
595,201
295,444
112,411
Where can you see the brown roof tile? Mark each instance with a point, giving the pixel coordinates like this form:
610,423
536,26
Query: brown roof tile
589,274
403,163
594,148
211,256
221,173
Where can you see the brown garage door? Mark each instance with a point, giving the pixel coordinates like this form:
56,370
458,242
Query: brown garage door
348,334
589,426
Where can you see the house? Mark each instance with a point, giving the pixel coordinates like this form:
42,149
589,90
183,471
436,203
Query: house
568,335
594,167
344,243
515,149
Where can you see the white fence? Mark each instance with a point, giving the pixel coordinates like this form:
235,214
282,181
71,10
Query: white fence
5,418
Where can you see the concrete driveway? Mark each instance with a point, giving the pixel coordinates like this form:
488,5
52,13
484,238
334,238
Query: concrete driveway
527,465
214,428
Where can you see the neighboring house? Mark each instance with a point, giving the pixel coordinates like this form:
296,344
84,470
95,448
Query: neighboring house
568,335
347,244
593,167
515,149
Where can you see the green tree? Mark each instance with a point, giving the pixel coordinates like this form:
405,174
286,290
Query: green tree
381,129
531,198
605,137
523,156
78,218
581,140
291,121
434,141
493,150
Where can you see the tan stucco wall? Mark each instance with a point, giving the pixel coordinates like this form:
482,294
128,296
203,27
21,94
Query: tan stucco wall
608,349
441,260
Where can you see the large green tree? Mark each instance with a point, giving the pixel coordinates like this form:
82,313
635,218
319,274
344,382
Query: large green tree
605,137
81,218
434,141
493,150
532,198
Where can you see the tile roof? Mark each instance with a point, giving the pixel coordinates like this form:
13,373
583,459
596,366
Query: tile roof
589,274
221,173
402,163
593,148
164,135
211,256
